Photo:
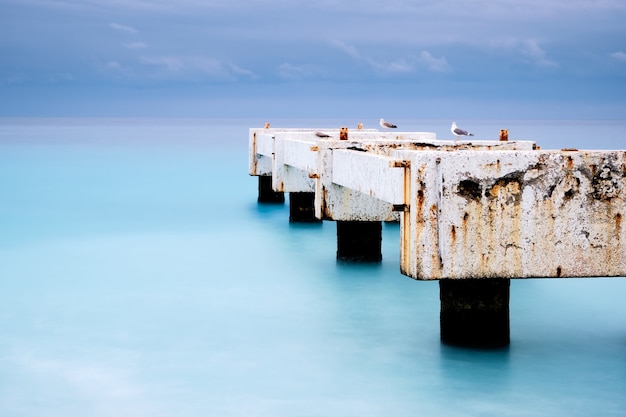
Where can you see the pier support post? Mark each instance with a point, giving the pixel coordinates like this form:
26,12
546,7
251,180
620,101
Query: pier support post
266,193
359,241
475,312
302,207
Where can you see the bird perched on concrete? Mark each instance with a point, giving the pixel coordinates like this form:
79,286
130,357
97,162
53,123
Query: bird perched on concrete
387,125
456,131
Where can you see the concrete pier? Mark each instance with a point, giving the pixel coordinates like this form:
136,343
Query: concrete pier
473,213
267,193
302,207
515,214
475,312
359,241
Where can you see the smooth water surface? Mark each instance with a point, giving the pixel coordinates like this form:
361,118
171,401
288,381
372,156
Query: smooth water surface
139,277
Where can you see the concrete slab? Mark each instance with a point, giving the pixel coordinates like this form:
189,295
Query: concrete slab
515,214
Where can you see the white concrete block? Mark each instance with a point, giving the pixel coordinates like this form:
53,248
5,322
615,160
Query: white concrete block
515,214
370,174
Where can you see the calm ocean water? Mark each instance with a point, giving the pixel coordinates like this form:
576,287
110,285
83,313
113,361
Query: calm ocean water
139,277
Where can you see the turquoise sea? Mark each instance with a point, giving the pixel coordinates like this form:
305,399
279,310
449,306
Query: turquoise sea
139,277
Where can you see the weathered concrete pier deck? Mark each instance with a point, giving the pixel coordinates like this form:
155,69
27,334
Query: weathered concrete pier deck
473,214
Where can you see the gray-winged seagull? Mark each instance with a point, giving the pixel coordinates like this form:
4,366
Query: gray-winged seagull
458,131
387,125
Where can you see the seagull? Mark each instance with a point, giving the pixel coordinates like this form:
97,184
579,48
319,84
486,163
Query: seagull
387,125
458,131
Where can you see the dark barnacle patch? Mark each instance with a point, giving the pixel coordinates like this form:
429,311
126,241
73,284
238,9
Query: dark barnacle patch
470,189
509,185
569,194
515,176
606,182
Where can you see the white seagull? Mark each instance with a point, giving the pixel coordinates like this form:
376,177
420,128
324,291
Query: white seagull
387,125
458,131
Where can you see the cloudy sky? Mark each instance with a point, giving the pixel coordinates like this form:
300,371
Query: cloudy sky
293,58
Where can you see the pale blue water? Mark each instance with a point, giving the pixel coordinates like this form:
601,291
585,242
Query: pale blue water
139,277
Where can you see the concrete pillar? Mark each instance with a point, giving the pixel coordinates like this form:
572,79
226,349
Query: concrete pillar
302,207
475,312
359,241
266,193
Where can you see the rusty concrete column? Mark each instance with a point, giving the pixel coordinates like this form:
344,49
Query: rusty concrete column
359,241
266,193
302,207
475,312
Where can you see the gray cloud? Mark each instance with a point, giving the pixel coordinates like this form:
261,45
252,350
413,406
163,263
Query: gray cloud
290,71
619,56
123,28
193,68
532,50
401,65
435,64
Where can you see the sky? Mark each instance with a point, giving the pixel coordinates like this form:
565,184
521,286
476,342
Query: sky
324,58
